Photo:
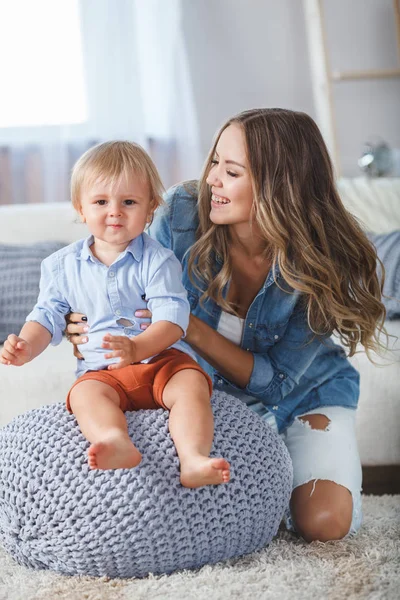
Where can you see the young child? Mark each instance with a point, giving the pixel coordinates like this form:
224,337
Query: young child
115,188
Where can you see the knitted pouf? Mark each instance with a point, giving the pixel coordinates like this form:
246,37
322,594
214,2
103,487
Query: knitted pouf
56,513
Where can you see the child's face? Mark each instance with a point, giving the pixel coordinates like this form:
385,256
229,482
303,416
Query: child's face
230,180
116,214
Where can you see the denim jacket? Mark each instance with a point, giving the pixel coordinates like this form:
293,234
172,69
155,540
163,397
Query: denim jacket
294,371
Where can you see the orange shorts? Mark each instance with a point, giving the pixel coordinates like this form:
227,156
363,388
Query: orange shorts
141,385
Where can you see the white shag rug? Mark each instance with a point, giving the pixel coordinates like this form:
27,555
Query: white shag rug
366,566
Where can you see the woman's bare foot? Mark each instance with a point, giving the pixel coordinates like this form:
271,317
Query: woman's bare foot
116,452
203,470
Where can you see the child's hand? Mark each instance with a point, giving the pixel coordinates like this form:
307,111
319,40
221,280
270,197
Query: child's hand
16,351
122,347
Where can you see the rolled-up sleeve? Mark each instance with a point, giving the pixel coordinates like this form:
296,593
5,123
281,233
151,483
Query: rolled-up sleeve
51,307
276,372
165,291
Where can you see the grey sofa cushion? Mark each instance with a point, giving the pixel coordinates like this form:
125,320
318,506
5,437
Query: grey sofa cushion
19,282
388,248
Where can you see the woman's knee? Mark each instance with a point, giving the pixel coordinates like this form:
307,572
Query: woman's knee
322,511
323,526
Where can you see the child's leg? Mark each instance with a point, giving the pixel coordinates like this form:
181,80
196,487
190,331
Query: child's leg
191,425
96,407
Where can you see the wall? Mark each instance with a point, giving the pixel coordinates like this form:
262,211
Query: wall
361,35
248,53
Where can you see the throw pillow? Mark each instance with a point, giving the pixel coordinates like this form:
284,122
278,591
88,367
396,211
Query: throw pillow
388,248
19,282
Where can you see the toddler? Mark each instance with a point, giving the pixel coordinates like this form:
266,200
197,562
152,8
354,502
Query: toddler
115,188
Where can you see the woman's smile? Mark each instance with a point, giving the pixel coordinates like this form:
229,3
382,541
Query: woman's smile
218,201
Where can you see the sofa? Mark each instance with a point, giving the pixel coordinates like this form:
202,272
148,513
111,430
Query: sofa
376,203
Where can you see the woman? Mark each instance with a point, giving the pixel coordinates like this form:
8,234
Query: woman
274,265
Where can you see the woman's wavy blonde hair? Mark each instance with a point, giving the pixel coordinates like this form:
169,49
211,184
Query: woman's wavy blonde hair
319,247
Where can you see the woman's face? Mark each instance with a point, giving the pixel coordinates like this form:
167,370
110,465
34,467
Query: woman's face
229,179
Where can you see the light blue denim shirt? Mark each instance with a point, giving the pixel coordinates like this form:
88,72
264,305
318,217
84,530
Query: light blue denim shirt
294,371
72,279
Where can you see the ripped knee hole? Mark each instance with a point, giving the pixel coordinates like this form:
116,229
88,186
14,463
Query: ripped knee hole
316,421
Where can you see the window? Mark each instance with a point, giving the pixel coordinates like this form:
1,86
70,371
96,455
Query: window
41,64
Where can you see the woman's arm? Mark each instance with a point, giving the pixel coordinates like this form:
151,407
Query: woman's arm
231,361
269,376
266,375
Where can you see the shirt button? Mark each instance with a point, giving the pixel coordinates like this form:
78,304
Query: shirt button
276,337
274,408
281,376
118,312
220,382
248,349
250,325
111,274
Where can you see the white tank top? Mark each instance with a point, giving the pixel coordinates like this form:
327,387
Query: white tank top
231,327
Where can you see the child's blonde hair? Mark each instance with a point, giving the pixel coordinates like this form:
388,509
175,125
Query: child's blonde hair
110,160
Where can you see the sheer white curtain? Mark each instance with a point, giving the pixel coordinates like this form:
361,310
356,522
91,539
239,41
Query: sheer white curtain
88,71
169,106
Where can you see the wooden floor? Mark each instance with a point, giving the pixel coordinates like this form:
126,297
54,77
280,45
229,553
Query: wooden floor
381,480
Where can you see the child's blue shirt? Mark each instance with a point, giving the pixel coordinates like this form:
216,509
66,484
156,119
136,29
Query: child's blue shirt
294,371
145,275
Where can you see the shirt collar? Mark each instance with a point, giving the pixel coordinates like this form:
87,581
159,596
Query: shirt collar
135,247
273,275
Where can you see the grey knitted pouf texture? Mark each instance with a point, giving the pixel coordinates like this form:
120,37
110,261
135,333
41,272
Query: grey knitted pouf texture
56,513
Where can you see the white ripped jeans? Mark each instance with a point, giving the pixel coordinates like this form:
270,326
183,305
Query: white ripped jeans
330,454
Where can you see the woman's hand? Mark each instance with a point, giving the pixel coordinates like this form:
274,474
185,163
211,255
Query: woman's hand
143,313
76,329
190,332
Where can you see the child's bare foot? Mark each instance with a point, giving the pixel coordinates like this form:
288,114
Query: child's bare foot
117,452
203,470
